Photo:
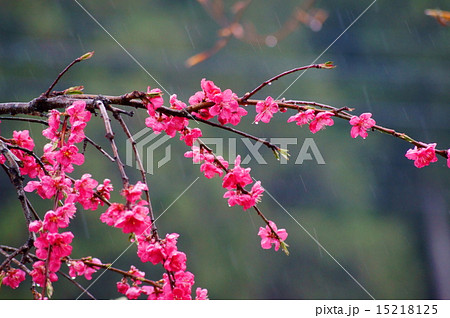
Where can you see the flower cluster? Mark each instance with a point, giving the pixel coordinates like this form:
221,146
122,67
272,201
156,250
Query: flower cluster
235,180
316,120
177,282
12,277
225,105
28,166
170,124
132,217
79,268
59,157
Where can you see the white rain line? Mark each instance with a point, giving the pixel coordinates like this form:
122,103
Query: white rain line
323,248
126,51
128,247
351,24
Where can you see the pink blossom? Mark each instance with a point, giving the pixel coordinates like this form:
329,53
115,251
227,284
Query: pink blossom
137,273
133,292
265,110
176,103
67,156
448,158
152,292
183,285
135,221
176,262
303,118
204,113
201,294
268,237
257,191
48,158
41,243
92,269
171,243
76,268
77,132
322,119
60,243
197,98
105,189
196,154
238,176
209,88
122,287
225,105
236,115
153,100
422,156
211,169
133,192
38,274
29,166
84,189
53,124
49,186
53,221
77,112
13,277
157,123
176,124
112,214
190,135
184,282
22,139
361,124
35,226
152,252
60,218
246,200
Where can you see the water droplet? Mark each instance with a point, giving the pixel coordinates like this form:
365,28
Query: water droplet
270,83
256,122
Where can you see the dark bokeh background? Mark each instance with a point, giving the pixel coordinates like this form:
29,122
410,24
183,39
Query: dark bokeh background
384,220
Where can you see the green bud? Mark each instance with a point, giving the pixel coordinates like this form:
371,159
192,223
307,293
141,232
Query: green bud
327,65
86,56
284,247
74,90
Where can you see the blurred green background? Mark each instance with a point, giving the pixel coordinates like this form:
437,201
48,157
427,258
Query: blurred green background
385,221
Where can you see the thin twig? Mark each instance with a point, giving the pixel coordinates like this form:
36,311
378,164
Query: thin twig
81,58
269,81
140,167
84,290
110,136
119,271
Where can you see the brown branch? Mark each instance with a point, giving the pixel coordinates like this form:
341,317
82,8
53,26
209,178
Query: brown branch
17,180
140,167
110,136
119,271
84,290
269,81
39,105
3,251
